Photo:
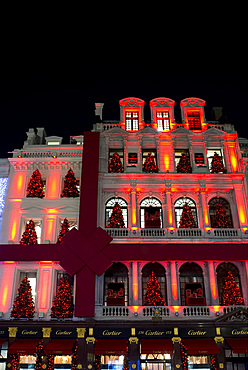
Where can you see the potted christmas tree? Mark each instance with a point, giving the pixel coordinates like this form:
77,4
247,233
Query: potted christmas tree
231,294
184,164
70,186
35,186
187,220
217,164
149,164
64,229
63,301
23,306
153,295
116,219
220,219
115,164
29,236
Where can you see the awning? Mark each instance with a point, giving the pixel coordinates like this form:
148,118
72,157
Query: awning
60,347
150,346
24,346
111,347
201,346
238,345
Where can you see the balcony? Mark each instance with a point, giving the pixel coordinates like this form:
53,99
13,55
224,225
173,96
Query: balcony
201,234
146,313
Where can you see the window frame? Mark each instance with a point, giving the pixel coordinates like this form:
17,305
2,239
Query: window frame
110,208
132,120
157,268
143,206
118,277
194,120
219,151
178,209
178,153
163,121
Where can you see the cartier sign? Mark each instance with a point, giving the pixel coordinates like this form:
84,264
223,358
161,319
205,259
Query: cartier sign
197,332
232,332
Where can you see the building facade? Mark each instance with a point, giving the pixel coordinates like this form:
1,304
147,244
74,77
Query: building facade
172,201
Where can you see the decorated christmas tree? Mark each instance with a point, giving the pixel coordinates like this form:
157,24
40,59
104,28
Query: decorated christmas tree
231,295
23,306
150,165
70,186
217,164
64,229
63,302
35,186
220,219
39,350
115,164
184,164
184,356
125,362
116,219
29,236
153,292
187,220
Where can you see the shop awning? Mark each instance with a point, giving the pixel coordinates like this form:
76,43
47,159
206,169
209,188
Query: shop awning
203,346
24,346
238,345
150,346
111,347
60,347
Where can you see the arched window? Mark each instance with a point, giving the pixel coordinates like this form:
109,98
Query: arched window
191,285
116,285
212,208
159,271
222,271
150,213
109,208
179,209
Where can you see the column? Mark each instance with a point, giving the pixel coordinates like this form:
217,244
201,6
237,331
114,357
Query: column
135,285
221,358
82,349
213,284
170,215
174,284
176,360
134,211
206,220
6,285
44,287
90,347
134,351
241,205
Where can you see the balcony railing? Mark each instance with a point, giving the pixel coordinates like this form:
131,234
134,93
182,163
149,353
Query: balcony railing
178,233
162,312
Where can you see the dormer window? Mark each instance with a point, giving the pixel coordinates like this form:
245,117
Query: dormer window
194,120
163,121
132,121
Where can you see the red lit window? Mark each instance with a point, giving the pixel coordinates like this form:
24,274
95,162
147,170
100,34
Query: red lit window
132,158
199,158
163,121
132,121
194,120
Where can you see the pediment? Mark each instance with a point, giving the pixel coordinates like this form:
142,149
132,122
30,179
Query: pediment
181,131
148,130
237,315
214,131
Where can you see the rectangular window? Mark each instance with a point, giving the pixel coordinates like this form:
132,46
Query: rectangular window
31,275
199,159
178,154
210,155
163,121
145,153
132,121
194,120
37,226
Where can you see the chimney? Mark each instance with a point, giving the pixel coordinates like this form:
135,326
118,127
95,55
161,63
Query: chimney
98,110
217,113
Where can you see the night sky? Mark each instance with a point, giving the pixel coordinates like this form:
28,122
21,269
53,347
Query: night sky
59,93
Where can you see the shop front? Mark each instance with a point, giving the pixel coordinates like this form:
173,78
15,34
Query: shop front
154,346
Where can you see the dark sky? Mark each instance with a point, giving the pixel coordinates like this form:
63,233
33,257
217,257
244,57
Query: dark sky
59,93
